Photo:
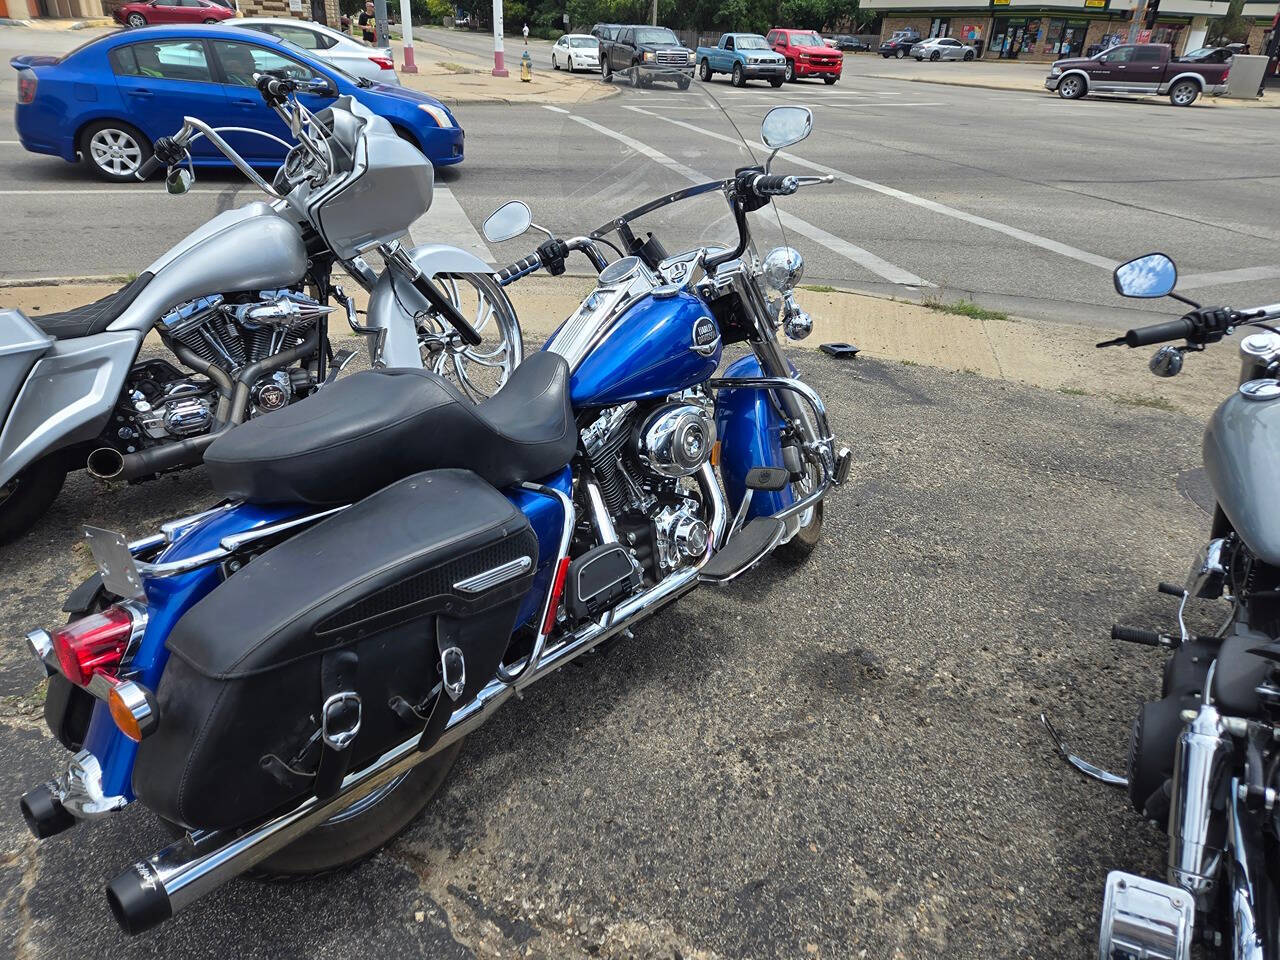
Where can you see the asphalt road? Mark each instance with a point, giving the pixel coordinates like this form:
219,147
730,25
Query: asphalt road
1020,201
841,759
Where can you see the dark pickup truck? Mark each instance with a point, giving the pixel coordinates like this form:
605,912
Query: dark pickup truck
646,54
1141,68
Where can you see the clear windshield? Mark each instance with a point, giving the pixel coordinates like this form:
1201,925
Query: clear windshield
610,156
806,40
656,35
751,43
582,42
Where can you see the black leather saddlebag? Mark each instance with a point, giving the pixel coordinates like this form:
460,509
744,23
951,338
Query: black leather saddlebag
347,621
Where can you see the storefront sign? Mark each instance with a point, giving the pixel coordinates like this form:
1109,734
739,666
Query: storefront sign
1097,4
999,3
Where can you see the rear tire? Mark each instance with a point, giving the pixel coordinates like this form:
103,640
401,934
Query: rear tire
348,838
968,55
114,150
830,81
210,20
25,498
1184,93
933,57
136,20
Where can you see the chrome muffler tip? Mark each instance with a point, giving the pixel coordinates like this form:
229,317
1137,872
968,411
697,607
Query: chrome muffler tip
1145,918
138,899
105,463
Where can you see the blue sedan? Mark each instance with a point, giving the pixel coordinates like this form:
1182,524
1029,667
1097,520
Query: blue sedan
108,101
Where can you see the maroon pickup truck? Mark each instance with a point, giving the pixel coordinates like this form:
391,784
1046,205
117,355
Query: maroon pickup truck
1144,68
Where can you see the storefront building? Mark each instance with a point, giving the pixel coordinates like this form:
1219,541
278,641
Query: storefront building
1047,30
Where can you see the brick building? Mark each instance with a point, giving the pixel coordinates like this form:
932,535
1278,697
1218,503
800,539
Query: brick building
1046,30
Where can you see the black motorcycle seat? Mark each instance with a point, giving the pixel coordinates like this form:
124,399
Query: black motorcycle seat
367,431
93,317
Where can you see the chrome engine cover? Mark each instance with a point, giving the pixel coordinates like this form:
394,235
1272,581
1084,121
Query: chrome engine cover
676,439
681,534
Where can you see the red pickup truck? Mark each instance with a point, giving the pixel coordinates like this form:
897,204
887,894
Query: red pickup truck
1143,68
807,54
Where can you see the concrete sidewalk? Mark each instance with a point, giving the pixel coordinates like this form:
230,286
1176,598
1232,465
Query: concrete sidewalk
457,77
50,23
1024,77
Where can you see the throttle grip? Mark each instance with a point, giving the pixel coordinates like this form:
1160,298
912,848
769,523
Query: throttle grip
149,166
774,185
1178,329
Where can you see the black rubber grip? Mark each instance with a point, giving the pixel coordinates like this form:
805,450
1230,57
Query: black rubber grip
773,185
1172,589
149,166
520,267
1148,638
274,89
1178,329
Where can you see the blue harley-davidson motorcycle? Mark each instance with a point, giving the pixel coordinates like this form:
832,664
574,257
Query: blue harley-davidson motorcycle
286,678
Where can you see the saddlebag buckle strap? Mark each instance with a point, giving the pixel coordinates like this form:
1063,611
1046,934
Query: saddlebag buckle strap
339,722
453,671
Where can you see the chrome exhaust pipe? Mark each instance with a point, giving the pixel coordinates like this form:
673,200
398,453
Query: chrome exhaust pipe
153,890
105,463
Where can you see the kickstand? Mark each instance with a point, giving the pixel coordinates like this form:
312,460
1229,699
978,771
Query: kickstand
1084,766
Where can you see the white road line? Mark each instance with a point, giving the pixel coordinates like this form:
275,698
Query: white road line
1054,246
547,106
863,258
895,105
10,143
1242,275
447,222
102,191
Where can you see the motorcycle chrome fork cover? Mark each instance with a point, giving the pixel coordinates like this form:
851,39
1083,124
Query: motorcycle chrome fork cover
1145,919
1198,767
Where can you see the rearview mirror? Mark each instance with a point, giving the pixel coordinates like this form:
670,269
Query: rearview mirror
509,220
178,180
1154,275
783,126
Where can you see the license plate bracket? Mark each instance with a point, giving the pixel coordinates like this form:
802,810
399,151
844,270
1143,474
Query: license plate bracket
114,561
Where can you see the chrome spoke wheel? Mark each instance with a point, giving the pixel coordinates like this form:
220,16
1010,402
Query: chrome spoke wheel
115,151
480,370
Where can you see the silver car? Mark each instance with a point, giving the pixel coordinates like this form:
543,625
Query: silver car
942,48
346,53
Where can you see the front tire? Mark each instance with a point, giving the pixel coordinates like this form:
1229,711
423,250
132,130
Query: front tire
934,57
606,75
25,498
555,64
683,83
806,538
1184,93
114,150
359,832
791,72
210,20
775,82
1071,87
704,71
636,81
737,78
900,53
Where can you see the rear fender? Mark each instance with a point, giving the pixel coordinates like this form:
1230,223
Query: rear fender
1167,85
168,598
749,428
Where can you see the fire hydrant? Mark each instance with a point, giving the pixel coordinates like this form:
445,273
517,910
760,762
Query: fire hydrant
526,68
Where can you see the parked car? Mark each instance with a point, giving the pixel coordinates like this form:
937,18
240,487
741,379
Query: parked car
606,31
172,11
1207,55
851,44
354,56
899,44
744,56
1141,68
576,51
145,81
655,53
942,48
807,55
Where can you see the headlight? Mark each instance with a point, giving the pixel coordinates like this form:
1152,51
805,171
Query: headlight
692,56
783,268
439,114
648,55
1055,71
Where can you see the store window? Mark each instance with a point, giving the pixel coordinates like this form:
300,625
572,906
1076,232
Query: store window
1053,37
1169,33
1030,37
1073,34
940,26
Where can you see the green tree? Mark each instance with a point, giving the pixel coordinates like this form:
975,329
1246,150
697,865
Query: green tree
1232,28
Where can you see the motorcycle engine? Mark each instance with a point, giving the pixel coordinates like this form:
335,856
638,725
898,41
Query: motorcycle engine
643,459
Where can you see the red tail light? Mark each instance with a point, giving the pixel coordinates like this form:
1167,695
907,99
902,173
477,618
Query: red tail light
1226,73
93,644
383,63
26,86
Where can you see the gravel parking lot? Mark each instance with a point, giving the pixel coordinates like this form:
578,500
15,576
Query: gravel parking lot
842,759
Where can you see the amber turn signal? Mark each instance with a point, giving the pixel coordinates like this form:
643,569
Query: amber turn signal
132,709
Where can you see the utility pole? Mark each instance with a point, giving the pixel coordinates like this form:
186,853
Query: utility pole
406,28
653,13
1139,20
499,70
380,22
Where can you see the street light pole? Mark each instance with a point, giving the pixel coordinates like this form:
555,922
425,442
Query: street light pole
653,13
498,69
380,22
406,27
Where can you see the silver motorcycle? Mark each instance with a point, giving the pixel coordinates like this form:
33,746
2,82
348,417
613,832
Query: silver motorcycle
243,304
1204,761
